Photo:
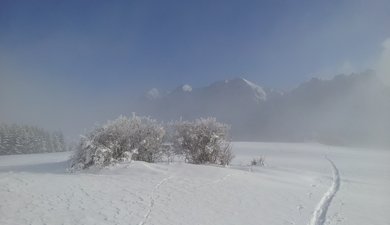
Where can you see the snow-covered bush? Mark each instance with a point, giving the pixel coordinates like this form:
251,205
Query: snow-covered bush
259,161
142,138
147,137
168,152
203,141
139,138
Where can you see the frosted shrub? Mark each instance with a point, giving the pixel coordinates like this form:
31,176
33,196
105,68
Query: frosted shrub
168,152
141,138
259,161
88,154
203,141
119,140
226,155
147,137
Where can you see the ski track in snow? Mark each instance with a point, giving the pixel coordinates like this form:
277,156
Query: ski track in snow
152,200
319,215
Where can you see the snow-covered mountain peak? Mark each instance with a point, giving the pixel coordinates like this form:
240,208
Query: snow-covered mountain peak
153,93
182,89
241,83
259,91
360,95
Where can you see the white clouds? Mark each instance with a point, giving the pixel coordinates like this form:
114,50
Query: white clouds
187,88
153,93
383,65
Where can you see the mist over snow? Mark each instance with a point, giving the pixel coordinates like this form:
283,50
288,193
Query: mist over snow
176,112
345,110
383,65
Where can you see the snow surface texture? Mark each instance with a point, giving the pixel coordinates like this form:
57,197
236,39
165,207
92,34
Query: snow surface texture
298,185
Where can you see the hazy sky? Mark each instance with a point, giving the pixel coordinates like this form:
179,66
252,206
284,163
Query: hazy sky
68,63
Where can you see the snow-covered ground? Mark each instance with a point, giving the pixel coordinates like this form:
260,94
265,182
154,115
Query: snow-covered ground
306,184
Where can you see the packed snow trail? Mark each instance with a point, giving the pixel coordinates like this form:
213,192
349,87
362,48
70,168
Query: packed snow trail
319,215
152,199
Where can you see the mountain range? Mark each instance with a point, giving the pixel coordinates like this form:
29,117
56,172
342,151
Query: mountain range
345,110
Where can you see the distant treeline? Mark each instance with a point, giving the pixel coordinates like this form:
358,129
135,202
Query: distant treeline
23,139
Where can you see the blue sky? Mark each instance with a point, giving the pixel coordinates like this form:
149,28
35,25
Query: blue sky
80,54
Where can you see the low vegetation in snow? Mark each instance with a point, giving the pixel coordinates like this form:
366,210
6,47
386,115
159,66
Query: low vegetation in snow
139,138
203,141
259,161
144,139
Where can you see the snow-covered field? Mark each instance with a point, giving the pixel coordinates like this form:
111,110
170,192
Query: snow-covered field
306,184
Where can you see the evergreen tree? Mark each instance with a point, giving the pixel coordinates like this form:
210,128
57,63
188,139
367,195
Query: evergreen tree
23,139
